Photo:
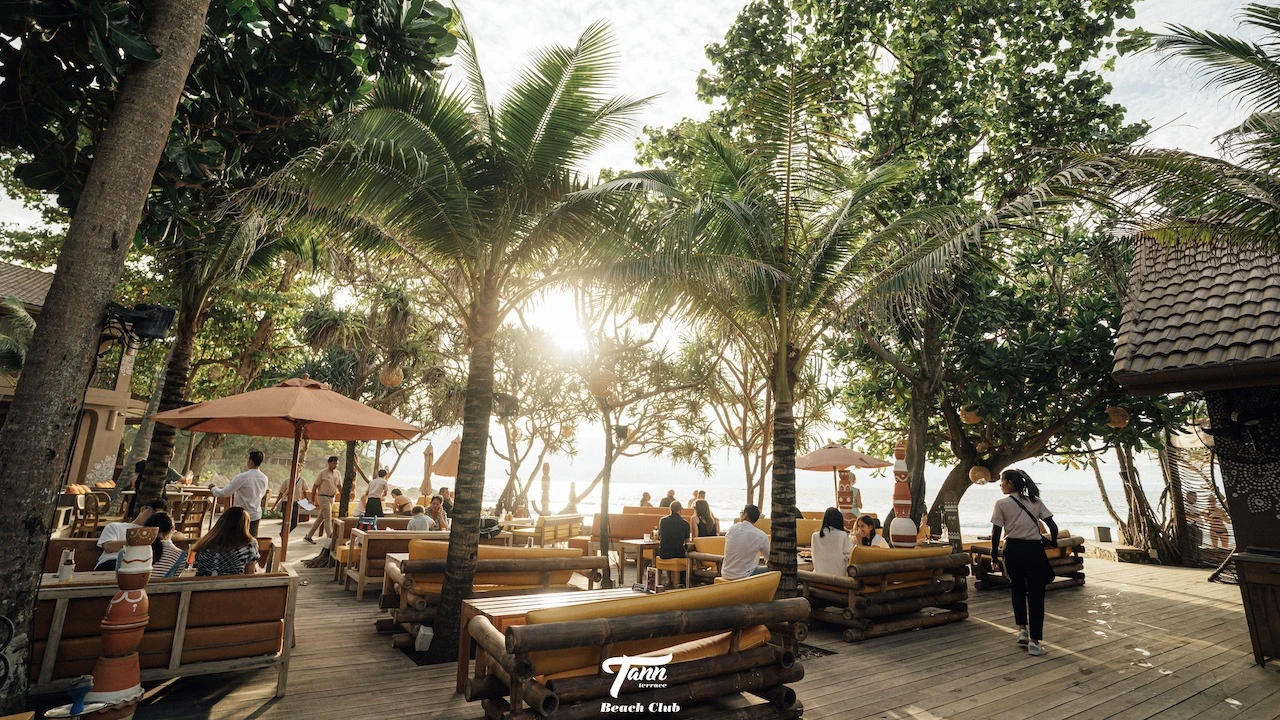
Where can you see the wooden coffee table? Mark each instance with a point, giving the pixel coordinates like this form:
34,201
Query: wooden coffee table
638,548
505,612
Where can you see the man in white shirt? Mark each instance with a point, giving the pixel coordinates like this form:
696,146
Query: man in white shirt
246,490
112,539
374,494
744,543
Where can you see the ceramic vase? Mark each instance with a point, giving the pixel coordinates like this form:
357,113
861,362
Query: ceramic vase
116,676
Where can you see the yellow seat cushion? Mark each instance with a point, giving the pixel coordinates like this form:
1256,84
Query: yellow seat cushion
710,646
755,589
676,564
805,528
439,550
712,544
346,555
764,524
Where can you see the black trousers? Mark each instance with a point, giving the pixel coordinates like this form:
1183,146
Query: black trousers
1028,570
293,518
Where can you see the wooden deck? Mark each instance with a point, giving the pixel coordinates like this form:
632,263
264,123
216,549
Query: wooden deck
1135,642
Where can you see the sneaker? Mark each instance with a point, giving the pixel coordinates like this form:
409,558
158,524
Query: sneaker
1036,648
313,542
1023,638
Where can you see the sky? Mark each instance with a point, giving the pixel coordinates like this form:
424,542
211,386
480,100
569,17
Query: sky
661,50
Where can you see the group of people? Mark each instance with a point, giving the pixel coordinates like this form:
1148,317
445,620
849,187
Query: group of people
708,523
230,548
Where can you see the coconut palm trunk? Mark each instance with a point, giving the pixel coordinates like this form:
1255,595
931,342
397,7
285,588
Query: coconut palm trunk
37,432
164,437
464,535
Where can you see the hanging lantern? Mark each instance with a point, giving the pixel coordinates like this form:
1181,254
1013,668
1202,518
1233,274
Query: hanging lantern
600,382
982,447
979,475
566,432
620,432
391,376
969,415
1117,417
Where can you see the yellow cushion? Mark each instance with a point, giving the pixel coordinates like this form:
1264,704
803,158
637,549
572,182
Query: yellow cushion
805,528
764,524
869,554
439,550
676,564
710,646
712,544
345,555
755,589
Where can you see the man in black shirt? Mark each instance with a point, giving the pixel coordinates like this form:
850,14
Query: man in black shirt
673,532
670,498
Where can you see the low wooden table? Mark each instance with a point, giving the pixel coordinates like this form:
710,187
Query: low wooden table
638,548
505,612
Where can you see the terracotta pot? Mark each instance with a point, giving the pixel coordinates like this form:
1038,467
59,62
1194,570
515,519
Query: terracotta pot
134,568
120,642
115,677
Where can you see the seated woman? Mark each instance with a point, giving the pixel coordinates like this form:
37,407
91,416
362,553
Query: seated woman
167,559
831,545
708,524
229,548
400,505
866,532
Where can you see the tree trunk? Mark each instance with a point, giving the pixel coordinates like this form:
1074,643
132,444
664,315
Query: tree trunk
174,394
603,516
464,536
38,430
782,544
1142,530
348,479
1106,499
920,410
142,440
204,451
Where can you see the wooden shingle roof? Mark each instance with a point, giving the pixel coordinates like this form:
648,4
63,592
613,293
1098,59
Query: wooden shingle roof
29,286
1203,317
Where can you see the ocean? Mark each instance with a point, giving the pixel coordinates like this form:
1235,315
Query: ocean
1071,494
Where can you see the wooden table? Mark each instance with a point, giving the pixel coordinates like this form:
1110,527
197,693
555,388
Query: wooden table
638,548
505,612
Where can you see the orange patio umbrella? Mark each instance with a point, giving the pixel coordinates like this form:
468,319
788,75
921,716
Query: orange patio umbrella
296,408
835,457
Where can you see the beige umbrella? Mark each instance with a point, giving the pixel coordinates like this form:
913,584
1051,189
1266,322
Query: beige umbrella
296,408
835,457
447,464
425,488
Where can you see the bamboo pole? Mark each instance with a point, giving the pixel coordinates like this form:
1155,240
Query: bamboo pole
510,565
910,605
813,579
914,622
890,567
496,709
489,687
687,693
598,631
491,641
384,625
571,690
418,617
779,696
389,601
863,601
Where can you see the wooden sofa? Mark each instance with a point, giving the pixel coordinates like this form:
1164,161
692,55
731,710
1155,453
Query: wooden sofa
198,626
548,531
367,554
1067,561
723,640
624,526
340,543
411,590
887,590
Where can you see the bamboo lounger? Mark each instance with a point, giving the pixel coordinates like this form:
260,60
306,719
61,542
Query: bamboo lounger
1067,561
717,650
885,596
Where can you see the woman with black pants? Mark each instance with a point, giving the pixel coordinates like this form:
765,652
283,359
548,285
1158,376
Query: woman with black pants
1017,516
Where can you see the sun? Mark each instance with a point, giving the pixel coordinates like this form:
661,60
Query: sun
556,314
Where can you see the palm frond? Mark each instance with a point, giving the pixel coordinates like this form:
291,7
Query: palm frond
1247,70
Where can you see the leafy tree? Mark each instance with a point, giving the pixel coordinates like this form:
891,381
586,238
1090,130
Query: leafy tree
16,326
36,438
469,191
969,93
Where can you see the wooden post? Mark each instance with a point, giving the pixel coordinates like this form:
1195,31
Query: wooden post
298,427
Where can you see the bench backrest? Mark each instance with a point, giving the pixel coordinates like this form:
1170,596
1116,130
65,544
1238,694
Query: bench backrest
552,529
623,526
226,617
347,524
86,550
439,550
869,554
637,510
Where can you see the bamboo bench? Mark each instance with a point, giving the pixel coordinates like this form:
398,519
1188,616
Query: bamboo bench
1067,561
340,543
887,589
198,626
411,588
549,530
369,550
722,641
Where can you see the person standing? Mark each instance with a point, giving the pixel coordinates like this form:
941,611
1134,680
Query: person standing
1017,516
744,544
373,495
246,490
831,545
326,487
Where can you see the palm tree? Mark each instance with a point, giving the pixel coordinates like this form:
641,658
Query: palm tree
1181,196
16,327
469,192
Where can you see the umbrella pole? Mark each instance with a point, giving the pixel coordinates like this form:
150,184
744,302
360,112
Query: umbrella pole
298,426
835,480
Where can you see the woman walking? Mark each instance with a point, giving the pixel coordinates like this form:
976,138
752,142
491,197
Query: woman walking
1017,516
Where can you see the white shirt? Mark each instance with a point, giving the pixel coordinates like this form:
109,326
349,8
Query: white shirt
743,544
246,491
1017,524
377,488
299,489
879,541
831,553
113,532
420,522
